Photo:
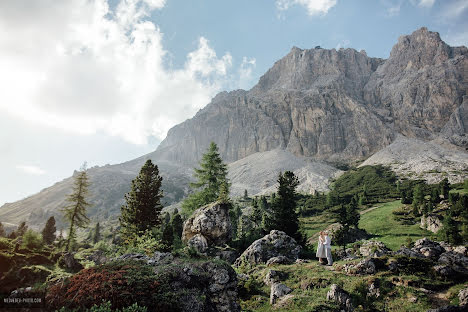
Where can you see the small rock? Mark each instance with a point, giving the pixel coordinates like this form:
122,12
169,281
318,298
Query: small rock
70,263
364,267
461,250
199,243
374,249
463,297
273,277
277,291
278,260
340,296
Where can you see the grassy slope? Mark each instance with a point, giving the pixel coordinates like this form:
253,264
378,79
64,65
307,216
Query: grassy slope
380,222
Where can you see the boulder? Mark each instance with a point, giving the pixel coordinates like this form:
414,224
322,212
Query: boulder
69,262
346,255
448,308
364,267
199,243
463,297
98,257
457,261
161,258
374,249
461,250
405,251
275,244
445,271
428,248
277,291
431,222
133,256
341,297
212,222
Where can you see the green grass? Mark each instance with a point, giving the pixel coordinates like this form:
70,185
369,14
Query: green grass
459,191
380,222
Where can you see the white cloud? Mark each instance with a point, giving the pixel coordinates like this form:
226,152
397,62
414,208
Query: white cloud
454,9
79,66
245,72
426,3
314,7
33,170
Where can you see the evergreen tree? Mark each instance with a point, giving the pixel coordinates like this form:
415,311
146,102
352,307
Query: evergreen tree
246,195
223,196
450,228
352,214
2,230
444,188
464,220
168,236
418,195
362,199
21,230
48,233
142,209
177,224
256,215
284,216
341,235
75,211
211,175
435,195
97,233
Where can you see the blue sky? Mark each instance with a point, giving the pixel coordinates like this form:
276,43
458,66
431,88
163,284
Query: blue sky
102,81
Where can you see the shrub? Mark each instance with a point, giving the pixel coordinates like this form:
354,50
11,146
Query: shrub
147,243
5,244
123,283
32,240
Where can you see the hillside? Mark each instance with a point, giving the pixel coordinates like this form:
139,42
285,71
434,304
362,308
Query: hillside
319,106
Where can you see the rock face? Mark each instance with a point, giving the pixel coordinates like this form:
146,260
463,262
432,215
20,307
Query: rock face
210,224
373,249
275,244
431,223
463,297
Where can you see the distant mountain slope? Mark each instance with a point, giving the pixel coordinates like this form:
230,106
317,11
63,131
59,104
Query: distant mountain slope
416,159
323,104
257,173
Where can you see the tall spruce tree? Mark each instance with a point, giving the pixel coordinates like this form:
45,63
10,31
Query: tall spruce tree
211,176
444,188
177,224
48,233
348,217
450,228
283,206
75,211
142,209
97,233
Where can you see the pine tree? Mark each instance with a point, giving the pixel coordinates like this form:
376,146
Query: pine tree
168,236
21,230
418,195
48,233
142,209
284,216
450,228
210,177
75,211
444,188
352,214
177,224
435,195
256,214
2,230
341,235
223,196
97,233
246,195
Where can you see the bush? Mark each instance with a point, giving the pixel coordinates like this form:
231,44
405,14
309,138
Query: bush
122,283
147,243
5,244
32,240
103,246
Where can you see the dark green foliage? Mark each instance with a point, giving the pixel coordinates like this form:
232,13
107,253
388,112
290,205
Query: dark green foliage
48,233
246,195
143,203
97,233
20,230
444,188
2,230
223,196
211,175
32,240
177,224
248,287
283,207
257,214
418,195
168,236
347,216
450,229
75,211
107,307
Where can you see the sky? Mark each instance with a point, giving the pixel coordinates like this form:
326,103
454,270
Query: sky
102,81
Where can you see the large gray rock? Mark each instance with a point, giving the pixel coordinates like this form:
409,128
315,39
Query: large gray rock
212,222
463,297
429,249
431,222
374,249
277,291
275,244
341,297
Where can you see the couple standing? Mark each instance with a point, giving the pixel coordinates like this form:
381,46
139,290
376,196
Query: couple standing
324,248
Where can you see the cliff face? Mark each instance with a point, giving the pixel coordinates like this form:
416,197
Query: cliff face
335,105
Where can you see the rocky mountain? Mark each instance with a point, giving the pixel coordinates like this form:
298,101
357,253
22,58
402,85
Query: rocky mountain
312,109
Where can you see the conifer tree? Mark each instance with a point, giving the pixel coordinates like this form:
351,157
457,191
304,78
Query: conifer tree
75,211
341,235
48,233
22,228
210,177
177,224
2,230
444,188
418,195
223,196
352,214
168,236
97,233
256,214
246,195
142,209
450,228
284,216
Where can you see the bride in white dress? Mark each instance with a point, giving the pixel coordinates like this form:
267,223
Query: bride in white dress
321,251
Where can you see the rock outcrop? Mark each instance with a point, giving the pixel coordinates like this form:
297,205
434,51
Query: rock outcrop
275,244
431,222
278,291
341,297
373,249
208,226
